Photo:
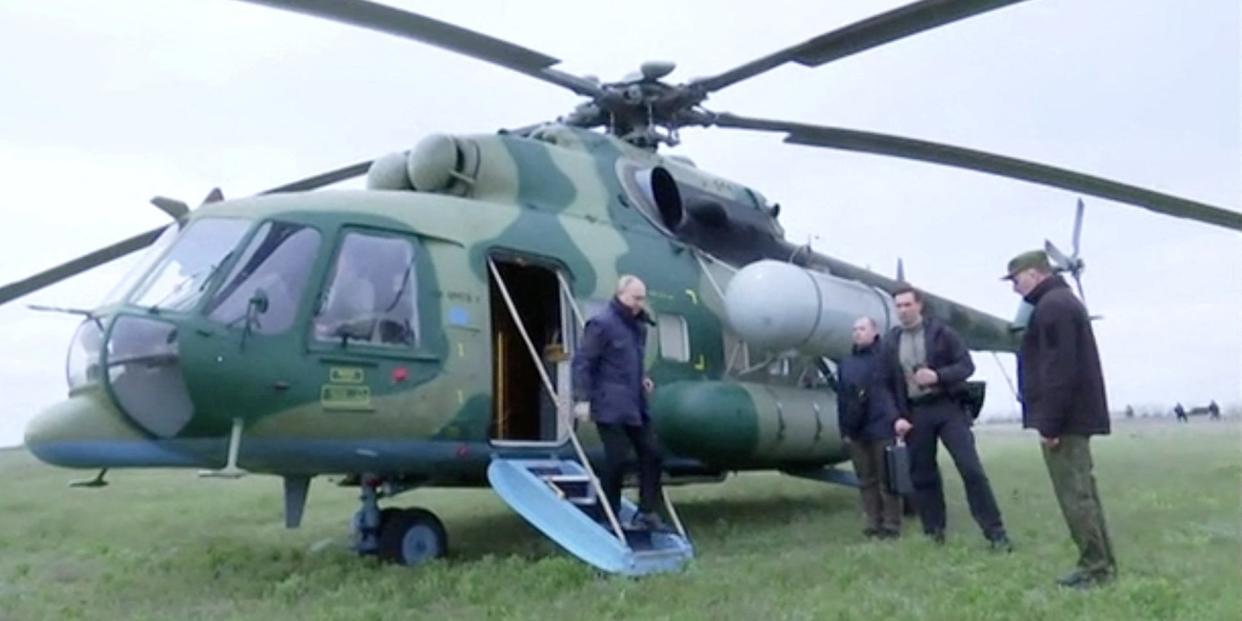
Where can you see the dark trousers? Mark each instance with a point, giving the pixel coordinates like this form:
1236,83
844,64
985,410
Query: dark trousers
944,421
617,439
1069,466
883,509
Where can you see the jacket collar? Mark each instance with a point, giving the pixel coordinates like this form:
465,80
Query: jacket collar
928,325
869,348
1042,289
622,312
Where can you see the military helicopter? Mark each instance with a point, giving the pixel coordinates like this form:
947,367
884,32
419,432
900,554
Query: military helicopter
239,342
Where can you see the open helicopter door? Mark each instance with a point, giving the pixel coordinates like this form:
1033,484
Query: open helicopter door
562,497
524,414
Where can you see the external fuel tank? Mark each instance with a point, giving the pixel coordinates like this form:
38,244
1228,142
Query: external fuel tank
779,307
750,424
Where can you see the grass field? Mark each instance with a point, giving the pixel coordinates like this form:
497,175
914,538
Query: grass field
163,545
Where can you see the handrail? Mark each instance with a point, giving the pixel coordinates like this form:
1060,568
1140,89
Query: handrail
672,513
547,384
711,278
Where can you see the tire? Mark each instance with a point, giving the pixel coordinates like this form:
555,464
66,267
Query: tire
412,537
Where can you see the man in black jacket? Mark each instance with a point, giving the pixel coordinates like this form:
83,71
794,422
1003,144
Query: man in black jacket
934,362
867,408
1062,389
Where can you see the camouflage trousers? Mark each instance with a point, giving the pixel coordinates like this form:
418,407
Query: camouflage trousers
1069,466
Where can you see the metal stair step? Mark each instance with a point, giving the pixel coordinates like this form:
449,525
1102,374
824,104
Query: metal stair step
566,478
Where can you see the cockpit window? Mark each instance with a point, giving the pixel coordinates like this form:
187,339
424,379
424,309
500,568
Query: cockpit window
274,268
372,295
179,279
149,257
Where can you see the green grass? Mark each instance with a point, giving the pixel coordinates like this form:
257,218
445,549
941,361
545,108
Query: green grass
163,545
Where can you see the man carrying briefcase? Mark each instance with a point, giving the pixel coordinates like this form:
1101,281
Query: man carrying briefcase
935,363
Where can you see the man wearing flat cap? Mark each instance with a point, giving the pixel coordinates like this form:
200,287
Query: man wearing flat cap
1062,391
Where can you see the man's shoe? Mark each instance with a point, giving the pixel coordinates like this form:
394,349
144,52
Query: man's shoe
871,532
890,533
1000,543
1083,580
937,536
1073,580
649,520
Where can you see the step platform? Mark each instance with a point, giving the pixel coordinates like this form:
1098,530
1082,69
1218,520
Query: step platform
556,496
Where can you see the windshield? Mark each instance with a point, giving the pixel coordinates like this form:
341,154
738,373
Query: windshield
177,282
277,263
153,252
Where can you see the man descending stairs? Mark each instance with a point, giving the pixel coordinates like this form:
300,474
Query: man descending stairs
563,497
611,388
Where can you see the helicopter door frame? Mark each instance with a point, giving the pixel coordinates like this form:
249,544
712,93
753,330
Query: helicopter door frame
560,375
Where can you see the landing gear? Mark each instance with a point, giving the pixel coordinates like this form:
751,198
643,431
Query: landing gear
412,537
405,536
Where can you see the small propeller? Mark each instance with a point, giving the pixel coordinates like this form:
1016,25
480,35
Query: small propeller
1073,264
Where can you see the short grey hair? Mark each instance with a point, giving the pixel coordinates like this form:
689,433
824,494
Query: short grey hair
626,280
874,326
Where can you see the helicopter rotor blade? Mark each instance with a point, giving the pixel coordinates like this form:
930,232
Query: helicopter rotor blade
1082,295
176,209
1077,227
322,179
1059,260
857,37
1072,264
408,25
85,262
948,155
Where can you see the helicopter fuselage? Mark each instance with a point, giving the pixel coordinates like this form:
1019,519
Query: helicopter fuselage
561,218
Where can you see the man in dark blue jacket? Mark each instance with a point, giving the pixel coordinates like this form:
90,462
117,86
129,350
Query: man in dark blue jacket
611,387
934,364
867,409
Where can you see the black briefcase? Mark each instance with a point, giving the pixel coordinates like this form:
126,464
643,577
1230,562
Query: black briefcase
897,469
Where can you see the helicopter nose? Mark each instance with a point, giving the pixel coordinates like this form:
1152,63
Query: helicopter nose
87,431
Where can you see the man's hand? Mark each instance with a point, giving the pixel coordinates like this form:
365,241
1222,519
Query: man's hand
648,385
1050,443
902,427
926,377
582,410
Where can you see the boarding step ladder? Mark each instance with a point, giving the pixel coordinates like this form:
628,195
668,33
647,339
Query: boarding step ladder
558,497
564,500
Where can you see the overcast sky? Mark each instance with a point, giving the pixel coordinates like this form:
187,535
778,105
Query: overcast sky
106,104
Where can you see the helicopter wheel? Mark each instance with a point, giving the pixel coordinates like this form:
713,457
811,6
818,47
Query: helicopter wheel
411,537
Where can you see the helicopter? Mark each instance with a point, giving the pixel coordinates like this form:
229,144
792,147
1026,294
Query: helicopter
437,377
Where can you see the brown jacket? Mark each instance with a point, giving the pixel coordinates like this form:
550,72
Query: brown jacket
1059,376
